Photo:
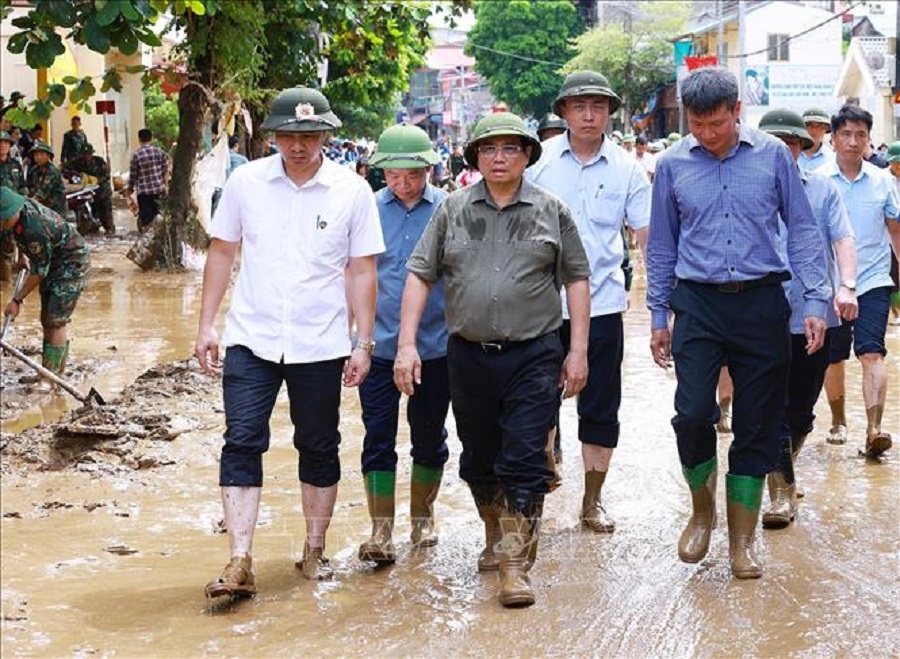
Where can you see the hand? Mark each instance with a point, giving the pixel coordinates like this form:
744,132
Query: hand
206,349
12,309
845,304
356,368
661,347
407,369
814,328
573,375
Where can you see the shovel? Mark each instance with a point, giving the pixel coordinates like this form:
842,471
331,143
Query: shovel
7,319
89,400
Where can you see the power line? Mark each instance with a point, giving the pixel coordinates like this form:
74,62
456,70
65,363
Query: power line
521,57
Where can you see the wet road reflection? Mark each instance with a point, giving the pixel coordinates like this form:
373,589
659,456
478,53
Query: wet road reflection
830,588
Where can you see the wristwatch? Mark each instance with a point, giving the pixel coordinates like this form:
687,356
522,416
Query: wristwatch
849,284
365,344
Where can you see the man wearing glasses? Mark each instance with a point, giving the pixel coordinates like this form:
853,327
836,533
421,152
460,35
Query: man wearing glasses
606,189
503,248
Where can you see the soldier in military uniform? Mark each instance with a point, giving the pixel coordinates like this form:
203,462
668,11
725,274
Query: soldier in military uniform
59,263
45,182
11,176
88,163
73,142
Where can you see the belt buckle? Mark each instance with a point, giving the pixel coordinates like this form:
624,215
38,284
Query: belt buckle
730,287
489,347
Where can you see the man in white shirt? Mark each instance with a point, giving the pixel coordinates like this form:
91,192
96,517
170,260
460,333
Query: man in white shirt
645,159
606,190
308,231
818,125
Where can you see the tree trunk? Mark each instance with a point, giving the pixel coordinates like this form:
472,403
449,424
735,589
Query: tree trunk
170,227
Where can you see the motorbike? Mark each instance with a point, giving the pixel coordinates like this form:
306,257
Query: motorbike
79,198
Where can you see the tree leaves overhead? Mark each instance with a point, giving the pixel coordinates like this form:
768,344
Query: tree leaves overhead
519,45
633,53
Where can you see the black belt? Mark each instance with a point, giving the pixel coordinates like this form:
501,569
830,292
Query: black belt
496,346
772,279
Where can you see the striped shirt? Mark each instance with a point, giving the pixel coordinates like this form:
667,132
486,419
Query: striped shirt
149,165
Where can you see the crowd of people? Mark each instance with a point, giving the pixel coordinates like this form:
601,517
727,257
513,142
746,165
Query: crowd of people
768,255
506,295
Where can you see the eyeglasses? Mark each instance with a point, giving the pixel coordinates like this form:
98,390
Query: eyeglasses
508,150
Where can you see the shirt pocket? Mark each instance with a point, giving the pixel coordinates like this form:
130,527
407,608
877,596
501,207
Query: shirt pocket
462,259
532,259
330,240
606,207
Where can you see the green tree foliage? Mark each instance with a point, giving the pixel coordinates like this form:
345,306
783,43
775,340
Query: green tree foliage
161,115
633,53
509,35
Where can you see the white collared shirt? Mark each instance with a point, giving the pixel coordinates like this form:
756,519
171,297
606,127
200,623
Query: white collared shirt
289,301
604,194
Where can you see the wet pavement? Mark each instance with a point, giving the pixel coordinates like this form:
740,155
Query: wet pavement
113,562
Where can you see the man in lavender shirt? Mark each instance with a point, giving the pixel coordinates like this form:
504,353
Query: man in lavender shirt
719,198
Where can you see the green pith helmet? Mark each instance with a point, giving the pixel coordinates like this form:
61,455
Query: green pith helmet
671,138
5,137
629,137
817,116
551,121
893,152
42,146
786,123
586,83
404,147
495,125
300,110
10,203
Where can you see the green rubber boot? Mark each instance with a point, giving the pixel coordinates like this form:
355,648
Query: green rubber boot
744,499
380,487
694,541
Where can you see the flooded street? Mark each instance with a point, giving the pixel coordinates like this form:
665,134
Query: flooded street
102,559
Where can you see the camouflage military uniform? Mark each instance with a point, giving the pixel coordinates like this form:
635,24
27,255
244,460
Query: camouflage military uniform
45,184
58,254
103,205
11,176
73,143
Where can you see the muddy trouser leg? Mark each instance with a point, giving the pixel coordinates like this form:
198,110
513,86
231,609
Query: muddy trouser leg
103,209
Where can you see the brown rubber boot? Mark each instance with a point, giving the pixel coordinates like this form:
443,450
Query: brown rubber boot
593,515
514,549
380,487
744,498
236,580
694,541
490,501
783,502
423,490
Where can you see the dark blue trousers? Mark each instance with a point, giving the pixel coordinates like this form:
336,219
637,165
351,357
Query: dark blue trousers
805,380
749,331
250,386
426,412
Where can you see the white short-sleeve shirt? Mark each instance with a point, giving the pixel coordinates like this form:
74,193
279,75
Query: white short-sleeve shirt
289,301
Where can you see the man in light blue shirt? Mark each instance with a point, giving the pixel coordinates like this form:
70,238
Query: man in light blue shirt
807,372
870,195
405,207
818,125
721,197
606,189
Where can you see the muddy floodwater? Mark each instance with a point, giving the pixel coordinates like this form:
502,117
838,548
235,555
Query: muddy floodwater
107,543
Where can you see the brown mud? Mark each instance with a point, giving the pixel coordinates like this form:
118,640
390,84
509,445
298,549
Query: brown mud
110,524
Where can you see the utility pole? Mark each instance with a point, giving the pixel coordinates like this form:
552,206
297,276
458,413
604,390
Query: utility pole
720,37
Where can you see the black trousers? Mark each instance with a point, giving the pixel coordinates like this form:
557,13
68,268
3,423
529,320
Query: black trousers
148,209
749,331
505,404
